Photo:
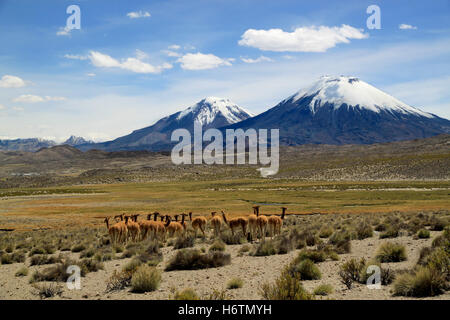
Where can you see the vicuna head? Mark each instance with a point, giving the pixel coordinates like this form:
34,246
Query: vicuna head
283,212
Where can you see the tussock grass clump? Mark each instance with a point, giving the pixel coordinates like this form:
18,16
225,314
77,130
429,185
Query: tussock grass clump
36,250
218,245
341,241
22,272
38,260
350,271
424,282
391,232
364,231
287,287
313,255
229,239
264,248
78,248
91,265
193,259
186,294
132,265
325,232
391,252
423,234
15,257
48,290
235,283
305,269
145,279
87,253
184,242
323,290
244,248
58,272
118,281
437,225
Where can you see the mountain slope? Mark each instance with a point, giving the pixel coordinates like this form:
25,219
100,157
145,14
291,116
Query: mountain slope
76,141
345,110
211,112
32,144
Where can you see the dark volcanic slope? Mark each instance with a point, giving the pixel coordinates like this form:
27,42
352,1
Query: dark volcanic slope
345,110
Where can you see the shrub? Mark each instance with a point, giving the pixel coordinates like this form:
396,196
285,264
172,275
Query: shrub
264,248
391,232
22,272
132,265
38,260
184,242
325,232
437,225
88,253
48,290
118,281
391,252
313,255
186,294
228,238
57,272
244,248
78,248
386,276
235,283
351,271
145,279
286,287
91,265
323,290
192,259
217,245
424,282
423,234
306,269
36,250
364,231
439,260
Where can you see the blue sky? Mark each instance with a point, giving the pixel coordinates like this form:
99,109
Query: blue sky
133,62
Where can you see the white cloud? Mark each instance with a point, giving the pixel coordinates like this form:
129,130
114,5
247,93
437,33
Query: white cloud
138,14
174,47
8,81
99,59
63,31
404,26
260,59
171,53
141,55
305,39
200,61
91,74
30,98
18,108
75,57
2,107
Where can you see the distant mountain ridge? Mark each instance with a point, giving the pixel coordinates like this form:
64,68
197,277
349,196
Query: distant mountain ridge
36,144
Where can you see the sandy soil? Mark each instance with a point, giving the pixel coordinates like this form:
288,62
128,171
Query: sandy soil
252,270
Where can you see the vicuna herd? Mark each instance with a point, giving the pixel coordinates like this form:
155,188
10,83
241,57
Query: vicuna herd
129,228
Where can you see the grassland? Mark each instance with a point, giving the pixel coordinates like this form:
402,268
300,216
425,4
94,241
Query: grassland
31,208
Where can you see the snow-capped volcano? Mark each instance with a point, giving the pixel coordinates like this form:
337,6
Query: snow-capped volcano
346,110
211,112
353,92
76,141
209,109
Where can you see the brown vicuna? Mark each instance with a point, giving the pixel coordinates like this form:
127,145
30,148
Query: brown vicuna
147,227
175,227
183,222
113,231
252,225
275,222
261,224
236,223
160,229
216,223
198,223
133,229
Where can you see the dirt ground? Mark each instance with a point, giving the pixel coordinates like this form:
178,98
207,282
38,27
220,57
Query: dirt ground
254,271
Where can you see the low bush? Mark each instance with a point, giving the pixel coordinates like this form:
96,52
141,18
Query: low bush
423,282
323,290
305,269
286,287
423,234
218,245
184,242
235,283
145,279
192,259
391,252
